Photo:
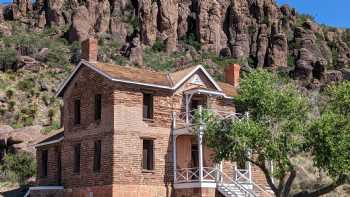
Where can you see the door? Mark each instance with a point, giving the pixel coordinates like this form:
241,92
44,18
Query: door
194,161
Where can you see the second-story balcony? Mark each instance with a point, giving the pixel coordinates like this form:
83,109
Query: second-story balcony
185,122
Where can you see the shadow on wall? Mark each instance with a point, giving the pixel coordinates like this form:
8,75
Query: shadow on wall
168,178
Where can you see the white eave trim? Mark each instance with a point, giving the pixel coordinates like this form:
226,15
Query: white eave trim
49,142
199,67
177,85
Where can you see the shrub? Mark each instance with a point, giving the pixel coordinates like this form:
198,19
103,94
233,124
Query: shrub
159,46
19,167
54,126
10,93
11,105
192,40
8,57
51,114
26,84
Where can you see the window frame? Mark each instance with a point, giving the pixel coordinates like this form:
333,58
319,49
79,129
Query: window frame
149,115
76,158
98,107
150,163
44,163
77,111
97,156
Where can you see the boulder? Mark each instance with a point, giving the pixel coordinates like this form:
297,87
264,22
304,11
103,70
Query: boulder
42,54
81,27
346,73
331,76
5,30
148,21
209,28
167,23
303,70
136,52
22,139
278,55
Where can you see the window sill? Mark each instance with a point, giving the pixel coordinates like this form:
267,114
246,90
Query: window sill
148,120
148,171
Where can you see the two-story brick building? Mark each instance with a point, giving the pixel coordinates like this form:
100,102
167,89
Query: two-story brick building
129,132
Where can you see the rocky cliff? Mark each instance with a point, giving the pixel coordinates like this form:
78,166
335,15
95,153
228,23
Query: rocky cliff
256,30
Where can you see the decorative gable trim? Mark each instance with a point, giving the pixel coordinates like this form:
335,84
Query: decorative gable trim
176,86
201,68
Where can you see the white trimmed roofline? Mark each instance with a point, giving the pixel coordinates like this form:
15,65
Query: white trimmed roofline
49,142
177,85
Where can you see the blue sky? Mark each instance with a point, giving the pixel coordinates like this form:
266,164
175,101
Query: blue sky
330,12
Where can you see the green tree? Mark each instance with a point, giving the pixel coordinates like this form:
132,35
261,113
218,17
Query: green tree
18,167
277,130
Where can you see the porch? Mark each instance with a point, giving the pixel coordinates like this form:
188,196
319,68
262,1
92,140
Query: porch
194,166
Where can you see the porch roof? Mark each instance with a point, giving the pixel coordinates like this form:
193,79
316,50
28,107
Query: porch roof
52,139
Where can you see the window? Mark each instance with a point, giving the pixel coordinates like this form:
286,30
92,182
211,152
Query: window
76,167
147,155
77,111
147,106
97,156
98,106
44,162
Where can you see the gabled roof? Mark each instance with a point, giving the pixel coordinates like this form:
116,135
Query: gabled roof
144,77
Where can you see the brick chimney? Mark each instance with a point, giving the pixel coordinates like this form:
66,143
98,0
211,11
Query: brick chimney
89,50
232,73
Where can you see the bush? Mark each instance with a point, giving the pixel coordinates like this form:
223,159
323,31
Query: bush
18,167
8,57
10,93
11,105
192,40
159,46
26,84
54,126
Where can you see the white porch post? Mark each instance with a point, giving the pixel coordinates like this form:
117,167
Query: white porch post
187,107
174,145
200,144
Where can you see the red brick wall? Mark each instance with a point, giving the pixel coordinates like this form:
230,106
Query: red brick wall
52,177
85,85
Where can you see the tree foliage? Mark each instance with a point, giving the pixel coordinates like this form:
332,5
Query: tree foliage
280,127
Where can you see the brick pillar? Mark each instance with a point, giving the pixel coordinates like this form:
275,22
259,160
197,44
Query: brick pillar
232,73
89,50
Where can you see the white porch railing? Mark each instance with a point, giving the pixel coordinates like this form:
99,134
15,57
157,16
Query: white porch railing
210,174
242,176
186,119
186,175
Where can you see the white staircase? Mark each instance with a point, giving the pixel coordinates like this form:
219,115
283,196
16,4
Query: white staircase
231,190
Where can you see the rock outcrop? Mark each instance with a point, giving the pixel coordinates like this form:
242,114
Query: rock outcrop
259,33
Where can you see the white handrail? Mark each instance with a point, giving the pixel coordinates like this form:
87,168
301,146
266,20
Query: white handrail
238,185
